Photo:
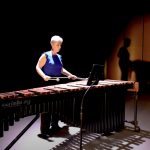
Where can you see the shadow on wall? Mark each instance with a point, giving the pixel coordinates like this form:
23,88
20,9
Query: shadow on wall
124,59
139,67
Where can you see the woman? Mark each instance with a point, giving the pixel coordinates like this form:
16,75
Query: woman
50,65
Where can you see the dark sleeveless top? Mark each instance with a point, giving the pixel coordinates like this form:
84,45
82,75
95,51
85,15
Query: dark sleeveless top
53,65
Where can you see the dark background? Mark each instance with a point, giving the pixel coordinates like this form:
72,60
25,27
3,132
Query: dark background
89,32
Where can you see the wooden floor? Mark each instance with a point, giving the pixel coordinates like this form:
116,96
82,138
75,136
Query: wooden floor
69,138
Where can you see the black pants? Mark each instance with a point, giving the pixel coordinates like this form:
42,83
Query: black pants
50,120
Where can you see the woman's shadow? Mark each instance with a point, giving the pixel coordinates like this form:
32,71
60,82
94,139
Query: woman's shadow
63,132
124,59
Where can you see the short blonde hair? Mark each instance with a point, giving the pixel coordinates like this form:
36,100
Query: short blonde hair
56,38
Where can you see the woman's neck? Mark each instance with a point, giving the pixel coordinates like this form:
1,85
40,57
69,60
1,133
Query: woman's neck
53,52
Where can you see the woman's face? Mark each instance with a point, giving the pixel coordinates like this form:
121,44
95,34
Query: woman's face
56,47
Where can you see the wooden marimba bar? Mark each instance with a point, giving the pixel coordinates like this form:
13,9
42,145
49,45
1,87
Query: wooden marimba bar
103,107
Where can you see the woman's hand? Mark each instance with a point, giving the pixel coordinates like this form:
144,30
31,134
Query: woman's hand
46,78
73,77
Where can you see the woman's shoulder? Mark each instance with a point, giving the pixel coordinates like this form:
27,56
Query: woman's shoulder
60,57
47,52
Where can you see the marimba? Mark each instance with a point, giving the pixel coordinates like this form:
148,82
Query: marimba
103,107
